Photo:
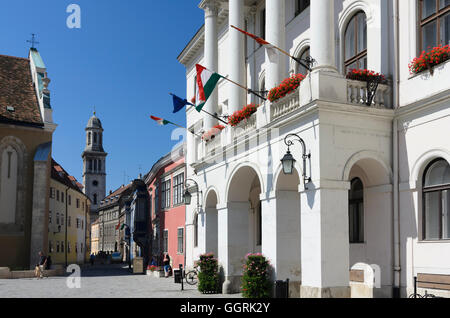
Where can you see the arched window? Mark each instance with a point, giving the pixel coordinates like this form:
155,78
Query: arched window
95,138
356,211
434,23
95,199
436,201
300,68
196,230
8,185
356,43
89,138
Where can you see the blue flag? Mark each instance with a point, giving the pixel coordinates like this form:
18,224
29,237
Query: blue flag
179,103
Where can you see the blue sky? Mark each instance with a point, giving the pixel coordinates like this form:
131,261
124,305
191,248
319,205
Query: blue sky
122,61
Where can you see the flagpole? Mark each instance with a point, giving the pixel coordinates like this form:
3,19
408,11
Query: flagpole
243,87
281,50
169,122
214,116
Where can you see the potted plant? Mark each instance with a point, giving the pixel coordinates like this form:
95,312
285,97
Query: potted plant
427,60
286,87
256,277
242,114
208,276
365,75
212,133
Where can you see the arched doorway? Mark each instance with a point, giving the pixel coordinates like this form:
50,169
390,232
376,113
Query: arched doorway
370,229
238,225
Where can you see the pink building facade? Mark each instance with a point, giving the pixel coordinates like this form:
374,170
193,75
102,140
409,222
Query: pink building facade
165,184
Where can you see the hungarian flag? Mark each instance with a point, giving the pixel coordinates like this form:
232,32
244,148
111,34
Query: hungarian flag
118,225
160,121
271,49
206,83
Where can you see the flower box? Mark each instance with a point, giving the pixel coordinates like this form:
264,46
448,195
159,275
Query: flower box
427,60
212,133
286,87
242,114
365,75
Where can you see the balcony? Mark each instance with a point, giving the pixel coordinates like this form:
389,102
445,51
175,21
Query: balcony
213,144
285,105
245,126
357,95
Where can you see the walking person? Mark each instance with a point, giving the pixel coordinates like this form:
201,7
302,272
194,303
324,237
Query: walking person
166,263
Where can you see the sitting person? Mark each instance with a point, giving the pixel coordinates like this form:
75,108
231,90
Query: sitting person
39,269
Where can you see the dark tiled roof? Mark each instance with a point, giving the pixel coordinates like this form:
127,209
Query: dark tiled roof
16,90
61,175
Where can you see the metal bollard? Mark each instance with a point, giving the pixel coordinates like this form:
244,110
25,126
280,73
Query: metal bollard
181,276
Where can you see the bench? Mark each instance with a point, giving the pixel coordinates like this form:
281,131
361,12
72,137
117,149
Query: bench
430,281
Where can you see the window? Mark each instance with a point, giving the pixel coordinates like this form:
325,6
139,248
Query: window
62,219
50,246
62,247
57,195
69,200
89,138
78,203
178,186
95,138
259,225
301,5
57,218
76,247
81,247
356,211
68,247
180,236
196,230
57,246
52,193
356,43
69,221
95,199
157,205
82,224
434,25
90,164
100,165
62,197
78,223
166,241
436,201
165,194
49,217
300,68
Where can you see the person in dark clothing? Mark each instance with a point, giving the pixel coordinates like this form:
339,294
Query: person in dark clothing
39,270
166,263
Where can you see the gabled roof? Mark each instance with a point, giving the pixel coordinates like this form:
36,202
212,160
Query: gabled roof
61,175
18,100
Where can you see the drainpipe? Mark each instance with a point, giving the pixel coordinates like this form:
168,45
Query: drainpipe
395,150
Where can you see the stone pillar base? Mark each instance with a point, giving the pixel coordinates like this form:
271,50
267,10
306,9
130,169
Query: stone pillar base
328,292
232,285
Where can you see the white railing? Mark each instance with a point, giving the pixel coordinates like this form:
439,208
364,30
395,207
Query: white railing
213,144
245,126
285,105
357,94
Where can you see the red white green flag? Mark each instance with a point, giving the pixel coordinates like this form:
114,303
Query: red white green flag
160,121
206,83
271,49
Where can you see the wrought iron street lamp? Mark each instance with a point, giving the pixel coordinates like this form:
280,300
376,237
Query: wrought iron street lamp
288,160
188,195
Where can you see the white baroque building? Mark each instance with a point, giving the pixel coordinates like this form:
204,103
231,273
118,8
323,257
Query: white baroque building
376,213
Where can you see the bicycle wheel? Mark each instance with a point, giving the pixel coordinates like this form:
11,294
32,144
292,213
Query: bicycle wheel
191,278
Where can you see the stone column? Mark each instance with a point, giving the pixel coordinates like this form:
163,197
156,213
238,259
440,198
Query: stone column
323,34
237,55
325,241
211,58
233,243
276,35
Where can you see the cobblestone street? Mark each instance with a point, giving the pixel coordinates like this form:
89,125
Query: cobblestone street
108,281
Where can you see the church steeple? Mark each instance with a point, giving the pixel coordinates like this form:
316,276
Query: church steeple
94,163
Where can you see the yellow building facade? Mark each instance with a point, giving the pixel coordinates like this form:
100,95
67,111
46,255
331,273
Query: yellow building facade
68,223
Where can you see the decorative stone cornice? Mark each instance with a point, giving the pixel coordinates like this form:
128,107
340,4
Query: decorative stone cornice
211,7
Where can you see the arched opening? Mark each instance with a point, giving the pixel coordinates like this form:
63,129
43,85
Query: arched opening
8,185
239,223
211,224
288,231
300,69
370,224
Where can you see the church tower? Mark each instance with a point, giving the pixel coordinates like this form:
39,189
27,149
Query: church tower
94,164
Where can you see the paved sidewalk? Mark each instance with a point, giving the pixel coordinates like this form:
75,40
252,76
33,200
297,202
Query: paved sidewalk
107,281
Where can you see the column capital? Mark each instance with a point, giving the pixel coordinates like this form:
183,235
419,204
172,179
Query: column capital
211,7
250,12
